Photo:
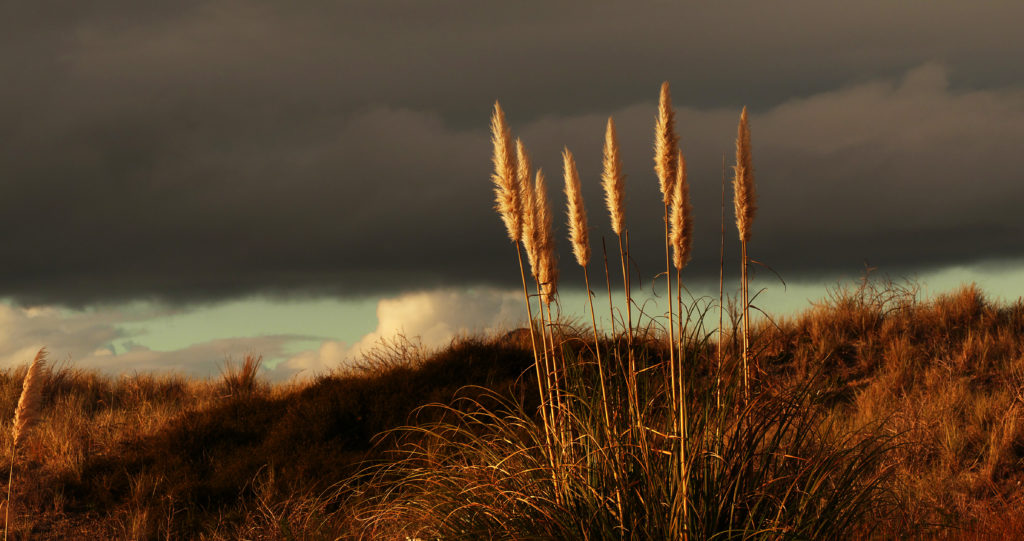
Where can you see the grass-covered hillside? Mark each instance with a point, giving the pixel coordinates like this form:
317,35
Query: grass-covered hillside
887,415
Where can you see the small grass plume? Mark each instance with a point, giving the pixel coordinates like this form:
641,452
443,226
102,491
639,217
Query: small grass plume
30,406
31,400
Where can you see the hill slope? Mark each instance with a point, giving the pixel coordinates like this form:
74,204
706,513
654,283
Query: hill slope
154,457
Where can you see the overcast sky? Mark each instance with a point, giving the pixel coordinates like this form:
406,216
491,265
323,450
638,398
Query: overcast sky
198,152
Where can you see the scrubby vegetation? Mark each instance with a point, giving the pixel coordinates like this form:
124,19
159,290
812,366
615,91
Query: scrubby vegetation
924,396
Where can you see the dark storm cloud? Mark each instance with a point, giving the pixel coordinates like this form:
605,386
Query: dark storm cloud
200,150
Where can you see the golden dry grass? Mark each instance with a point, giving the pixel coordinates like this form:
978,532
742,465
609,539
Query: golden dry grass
945,374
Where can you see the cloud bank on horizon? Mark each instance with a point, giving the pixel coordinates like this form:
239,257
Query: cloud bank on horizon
426,319
204,150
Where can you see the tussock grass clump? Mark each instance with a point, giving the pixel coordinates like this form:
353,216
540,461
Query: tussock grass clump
241,378
768,468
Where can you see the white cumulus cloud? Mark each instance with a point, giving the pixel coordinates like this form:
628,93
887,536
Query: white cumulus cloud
428,318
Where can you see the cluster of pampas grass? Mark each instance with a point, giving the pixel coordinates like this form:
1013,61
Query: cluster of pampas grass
627,444
524,209
646,442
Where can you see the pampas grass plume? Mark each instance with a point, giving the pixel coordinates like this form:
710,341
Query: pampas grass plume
506,187
682,217
30,403
665,144
745,199
612,180
576,212
546,262
529,207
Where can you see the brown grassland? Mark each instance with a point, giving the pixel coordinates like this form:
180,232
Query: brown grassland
144,457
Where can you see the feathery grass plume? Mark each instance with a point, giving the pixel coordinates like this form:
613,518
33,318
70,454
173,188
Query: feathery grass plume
576,211
548,267
612,180
528,206
681,238
577,215
26,415
506,189
529,240
682,217
548,282
614,194
665,144
745,199
30,403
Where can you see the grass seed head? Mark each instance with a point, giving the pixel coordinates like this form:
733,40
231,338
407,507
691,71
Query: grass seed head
744,198
529,206
31,401
681,218
506,188
547,263
577,213
612,179
665,144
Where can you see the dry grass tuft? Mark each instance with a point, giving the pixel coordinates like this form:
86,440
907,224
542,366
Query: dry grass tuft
240,379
